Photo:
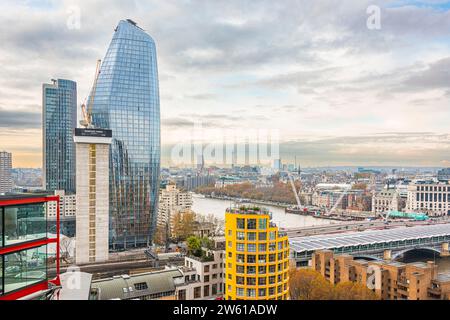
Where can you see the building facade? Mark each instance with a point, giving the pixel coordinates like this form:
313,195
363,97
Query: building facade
430,197
29,253
257,256
67,212
385,201
172,200
127,102
203,277
6,183
59,117
390,280
92,199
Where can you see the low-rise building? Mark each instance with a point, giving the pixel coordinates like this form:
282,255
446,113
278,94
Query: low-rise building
386,200
390,280
203,276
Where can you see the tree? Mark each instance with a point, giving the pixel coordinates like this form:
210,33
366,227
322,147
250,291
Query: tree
308,284
353,291
183,224
160,235
194,246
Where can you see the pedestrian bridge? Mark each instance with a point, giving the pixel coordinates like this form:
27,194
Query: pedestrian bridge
387,244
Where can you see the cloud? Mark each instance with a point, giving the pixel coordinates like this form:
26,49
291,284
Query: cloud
19,119
306,68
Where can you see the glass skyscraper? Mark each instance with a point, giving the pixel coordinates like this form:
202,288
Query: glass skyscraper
127,102
59,118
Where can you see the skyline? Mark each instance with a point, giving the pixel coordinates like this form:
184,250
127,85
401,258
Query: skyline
339,93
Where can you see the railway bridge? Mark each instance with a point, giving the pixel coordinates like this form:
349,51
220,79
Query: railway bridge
389,244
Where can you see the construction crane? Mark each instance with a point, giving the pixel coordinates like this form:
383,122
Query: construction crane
87,110
297,198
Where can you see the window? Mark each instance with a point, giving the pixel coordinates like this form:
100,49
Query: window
240,223
251,293
251,224
251,236
182,294
240,247
262,247
197,292
240,269
251,270
240,292
272,235
206,291
262,292
251,247
240,258
251,258
24,223
240,280
240,235
206,269
262,224
262,236
261,281
141,286
25,268
262,269
251,281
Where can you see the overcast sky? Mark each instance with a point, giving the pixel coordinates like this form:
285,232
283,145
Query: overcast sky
337,92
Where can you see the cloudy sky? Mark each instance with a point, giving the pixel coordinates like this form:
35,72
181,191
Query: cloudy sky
336,91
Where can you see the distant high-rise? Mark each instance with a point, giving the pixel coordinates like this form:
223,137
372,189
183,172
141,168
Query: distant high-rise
6,183
59,118
127,102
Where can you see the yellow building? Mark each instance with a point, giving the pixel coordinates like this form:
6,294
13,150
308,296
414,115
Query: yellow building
257,256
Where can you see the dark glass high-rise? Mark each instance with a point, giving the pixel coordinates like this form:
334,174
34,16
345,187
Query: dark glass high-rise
127,102
59,118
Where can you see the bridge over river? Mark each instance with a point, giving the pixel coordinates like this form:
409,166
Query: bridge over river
388,244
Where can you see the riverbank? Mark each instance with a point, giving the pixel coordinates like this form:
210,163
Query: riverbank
240,200
217,207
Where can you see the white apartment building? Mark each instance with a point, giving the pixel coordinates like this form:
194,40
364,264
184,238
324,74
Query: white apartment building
172,200
430,197
6,183
67,206
67,212
203,278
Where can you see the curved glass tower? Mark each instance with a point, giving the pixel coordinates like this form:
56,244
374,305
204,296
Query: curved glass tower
127,102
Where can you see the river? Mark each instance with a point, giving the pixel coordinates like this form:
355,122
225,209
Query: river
217,207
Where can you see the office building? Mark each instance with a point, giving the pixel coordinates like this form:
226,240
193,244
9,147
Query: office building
29,253
390,280
127,102
92,199
429,196
257,256
59,117
6,183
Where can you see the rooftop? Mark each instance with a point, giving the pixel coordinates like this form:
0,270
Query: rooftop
331,241
248,210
